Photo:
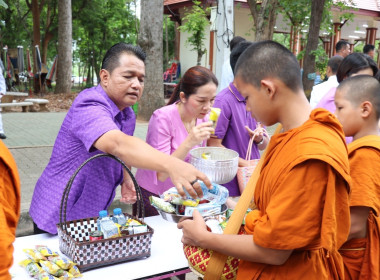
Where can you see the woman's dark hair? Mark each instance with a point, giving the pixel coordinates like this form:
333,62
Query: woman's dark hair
111,58
353,63
194,78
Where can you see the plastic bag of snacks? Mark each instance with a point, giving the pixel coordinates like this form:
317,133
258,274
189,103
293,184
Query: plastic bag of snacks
45,264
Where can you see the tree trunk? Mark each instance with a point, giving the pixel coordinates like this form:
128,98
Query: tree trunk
64,47
264,18
150,39
312,43
36,31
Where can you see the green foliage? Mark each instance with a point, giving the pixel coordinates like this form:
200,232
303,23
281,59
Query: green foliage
3,4
194,23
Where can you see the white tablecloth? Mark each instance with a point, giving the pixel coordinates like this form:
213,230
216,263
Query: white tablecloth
166,254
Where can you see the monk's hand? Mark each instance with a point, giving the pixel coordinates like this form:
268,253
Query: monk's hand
193,229
128,191
185,176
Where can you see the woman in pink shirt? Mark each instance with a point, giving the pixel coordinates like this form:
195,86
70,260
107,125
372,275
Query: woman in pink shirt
178,127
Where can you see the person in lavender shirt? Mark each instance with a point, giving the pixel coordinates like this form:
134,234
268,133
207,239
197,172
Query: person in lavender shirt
101,121
236,126
180,126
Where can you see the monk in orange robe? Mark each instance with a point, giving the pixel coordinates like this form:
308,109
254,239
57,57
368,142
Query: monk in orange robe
9,209
358,109
302,215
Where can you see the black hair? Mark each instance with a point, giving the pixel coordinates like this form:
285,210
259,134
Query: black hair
353,63
111,58
269,59
362,88
334,63
194,78
234,41
340,45
237,51
367,48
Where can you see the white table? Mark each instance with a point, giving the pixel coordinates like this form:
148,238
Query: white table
167,257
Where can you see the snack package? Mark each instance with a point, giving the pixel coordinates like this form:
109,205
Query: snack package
61,261
172,196
45,251
34,255
214,226
161,204
214,115
204,209
51,268
32,268
46,276
66,276
74,271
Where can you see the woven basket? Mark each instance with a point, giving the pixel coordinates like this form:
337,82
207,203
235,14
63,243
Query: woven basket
198,259
74,235
244,173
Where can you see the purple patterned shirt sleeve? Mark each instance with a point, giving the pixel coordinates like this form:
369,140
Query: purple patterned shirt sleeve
91,115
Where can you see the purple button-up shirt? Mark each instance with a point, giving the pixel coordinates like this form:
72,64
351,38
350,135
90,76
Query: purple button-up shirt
92,114
231,127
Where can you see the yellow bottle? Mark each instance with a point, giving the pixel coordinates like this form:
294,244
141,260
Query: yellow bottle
214,115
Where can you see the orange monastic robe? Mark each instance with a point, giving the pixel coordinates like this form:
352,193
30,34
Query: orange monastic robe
9,209
302,200
361,256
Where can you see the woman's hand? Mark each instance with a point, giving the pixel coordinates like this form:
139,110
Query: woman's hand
128,191
258,134
200,133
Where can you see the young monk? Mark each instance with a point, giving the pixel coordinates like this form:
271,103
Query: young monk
302,192
357,103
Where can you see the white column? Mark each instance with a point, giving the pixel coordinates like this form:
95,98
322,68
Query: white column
224,33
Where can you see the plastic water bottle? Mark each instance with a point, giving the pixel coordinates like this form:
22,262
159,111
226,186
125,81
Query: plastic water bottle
118,217
217,195
102,216
106,225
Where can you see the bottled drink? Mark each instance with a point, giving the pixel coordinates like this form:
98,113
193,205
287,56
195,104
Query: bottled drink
118,217
102,215
217,195
106,225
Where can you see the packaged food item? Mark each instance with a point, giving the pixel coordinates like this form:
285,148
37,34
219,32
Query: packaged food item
32,268
74,271
214,115
214,226
118,217
139,228
46,276
133,222
96,235
61,261
204,209
34,255
206,155
217,194
66,276
162,204
51,268
45,251
172,196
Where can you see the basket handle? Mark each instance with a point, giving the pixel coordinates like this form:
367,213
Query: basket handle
249,150
65,196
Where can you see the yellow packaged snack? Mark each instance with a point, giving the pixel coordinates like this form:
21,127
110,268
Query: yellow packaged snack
214,115
46,276
31,267
206,155
51,268
62,262
45,251
74,271
34,255
66,276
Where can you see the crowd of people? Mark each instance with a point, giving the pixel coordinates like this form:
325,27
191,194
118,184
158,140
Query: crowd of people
318,194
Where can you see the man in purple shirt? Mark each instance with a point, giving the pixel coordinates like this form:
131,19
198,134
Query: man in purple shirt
235,125
101,121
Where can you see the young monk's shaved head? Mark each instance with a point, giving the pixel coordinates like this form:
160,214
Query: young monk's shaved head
361,88
268,59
